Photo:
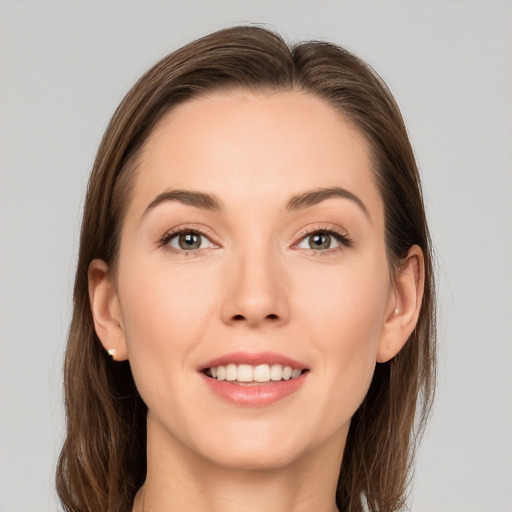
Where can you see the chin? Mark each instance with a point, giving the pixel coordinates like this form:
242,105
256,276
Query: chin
254,459
262,446
248,445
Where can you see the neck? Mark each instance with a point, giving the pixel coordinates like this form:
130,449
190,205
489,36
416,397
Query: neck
179,480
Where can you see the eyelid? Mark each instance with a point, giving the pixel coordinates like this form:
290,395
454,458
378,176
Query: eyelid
334,230
339,233
187,228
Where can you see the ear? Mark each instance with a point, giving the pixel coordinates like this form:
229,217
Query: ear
405,305
106,311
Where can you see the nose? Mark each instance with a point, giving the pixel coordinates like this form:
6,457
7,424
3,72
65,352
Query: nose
255,292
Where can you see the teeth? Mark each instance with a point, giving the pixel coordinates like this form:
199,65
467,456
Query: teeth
276,372
248,373
244,373
231,372
262,373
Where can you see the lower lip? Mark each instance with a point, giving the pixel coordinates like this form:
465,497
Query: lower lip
257,395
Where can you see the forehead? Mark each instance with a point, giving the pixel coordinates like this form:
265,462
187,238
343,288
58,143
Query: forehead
245,146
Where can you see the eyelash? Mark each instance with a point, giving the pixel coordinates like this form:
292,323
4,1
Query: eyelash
175,232
338,234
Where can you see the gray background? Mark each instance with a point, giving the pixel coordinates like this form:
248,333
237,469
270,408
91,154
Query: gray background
63,69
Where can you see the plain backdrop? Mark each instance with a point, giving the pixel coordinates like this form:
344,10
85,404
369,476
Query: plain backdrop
64,67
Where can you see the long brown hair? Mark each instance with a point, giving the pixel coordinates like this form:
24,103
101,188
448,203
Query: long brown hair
103,460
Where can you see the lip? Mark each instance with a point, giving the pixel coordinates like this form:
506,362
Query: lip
257,395
253,359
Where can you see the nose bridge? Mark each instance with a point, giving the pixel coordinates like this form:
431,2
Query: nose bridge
256,291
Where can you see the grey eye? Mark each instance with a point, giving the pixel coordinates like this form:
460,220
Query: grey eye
189,241
319,241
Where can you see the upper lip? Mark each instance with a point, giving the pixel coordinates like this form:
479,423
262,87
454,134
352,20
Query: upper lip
253,359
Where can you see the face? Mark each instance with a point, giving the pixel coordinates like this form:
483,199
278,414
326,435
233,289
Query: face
252,249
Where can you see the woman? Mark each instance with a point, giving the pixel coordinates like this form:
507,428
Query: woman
253,322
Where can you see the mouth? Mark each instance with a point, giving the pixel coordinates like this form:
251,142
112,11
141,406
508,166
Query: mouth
253,375
254,379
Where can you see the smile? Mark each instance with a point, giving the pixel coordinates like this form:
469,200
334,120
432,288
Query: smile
248,374
249,379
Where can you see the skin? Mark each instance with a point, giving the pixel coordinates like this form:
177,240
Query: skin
256,285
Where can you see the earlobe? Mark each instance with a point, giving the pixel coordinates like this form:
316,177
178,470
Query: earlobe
106,311
406,308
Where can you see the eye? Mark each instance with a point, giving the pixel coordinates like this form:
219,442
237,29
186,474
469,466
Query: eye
324,240
186,240
319,241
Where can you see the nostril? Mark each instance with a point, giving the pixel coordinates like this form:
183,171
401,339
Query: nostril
272,316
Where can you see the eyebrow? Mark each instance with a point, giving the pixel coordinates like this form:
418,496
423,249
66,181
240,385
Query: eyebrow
188,197
313,197
298,202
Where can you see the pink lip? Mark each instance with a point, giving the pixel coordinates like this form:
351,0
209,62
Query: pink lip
253,359
256,395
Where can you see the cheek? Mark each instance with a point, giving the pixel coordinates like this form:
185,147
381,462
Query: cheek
159,302
346,302
165,316
343,313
